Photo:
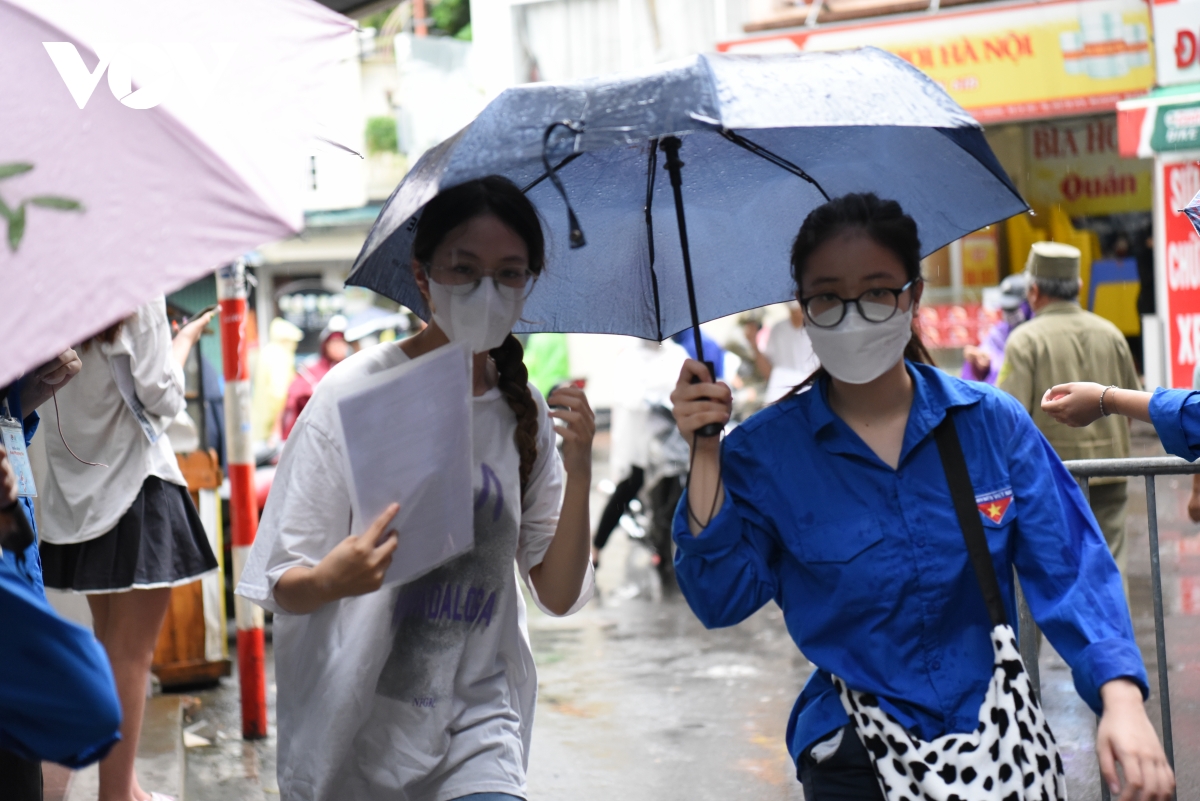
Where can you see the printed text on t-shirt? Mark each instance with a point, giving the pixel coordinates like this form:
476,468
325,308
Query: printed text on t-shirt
454,602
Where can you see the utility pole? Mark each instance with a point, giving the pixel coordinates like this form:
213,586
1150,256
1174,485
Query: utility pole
243,508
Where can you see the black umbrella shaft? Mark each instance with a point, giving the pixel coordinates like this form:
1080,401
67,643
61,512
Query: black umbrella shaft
670,146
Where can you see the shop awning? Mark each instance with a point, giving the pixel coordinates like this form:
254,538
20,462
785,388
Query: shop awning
1167,119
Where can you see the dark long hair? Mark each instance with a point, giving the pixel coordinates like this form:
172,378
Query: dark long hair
504,200
887,226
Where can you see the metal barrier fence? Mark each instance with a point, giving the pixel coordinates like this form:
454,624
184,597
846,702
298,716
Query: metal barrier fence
1083,470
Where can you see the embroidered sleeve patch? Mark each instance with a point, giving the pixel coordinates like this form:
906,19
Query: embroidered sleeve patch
994,505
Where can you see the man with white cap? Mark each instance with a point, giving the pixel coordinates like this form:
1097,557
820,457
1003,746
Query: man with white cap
1064,343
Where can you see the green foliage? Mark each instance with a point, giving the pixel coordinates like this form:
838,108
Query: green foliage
16,227
14,218
452,17
9,170
381,135
55,202
464,33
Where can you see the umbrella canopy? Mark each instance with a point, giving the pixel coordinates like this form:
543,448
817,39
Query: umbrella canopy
128,170
764,140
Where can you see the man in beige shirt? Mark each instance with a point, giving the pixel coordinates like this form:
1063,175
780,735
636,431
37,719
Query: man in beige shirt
1063,343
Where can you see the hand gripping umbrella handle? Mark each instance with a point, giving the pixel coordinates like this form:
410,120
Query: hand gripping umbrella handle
674,166
712,429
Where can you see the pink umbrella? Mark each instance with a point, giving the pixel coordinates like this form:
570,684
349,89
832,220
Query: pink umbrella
145,143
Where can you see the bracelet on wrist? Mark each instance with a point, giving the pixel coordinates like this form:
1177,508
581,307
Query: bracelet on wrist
1104,412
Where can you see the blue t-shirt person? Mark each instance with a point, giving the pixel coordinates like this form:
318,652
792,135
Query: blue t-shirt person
58,701
869,565
712,351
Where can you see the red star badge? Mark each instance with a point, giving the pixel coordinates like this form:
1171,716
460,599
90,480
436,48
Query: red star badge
994,509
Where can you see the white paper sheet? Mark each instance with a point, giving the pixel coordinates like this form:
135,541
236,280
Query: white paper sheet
406,436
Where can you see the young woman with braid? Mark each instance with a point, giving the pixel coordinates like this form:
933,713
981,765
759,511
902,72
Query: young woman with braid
426,690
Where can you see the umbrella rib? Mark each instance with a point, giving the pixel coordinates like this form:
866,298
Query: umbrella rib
777,160
545,175
650,233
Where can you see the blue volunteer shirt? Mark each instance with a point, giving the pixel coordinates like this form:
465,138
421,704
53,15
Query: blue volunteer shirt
58,700
1176,417
869,564
28,564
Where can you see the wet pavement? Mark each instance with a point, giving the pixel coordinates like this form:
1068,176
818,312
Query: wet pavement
638,701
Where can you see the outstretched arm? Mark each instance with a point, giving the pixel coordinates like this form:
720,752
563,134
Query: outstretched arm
1078,404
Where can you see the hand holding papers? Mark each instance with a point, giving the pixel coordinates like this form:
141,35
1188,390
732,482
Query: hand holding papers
406,436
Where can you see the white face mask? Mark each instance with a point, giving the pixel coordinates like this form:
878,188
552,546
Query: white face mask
858,351
480,320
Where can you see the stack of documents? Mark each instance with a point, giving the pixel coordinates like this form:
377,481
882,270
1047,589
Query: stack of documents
406,436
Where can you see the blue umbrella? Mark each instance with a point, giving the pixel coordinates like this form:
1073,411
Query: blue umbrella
765,139
1192,210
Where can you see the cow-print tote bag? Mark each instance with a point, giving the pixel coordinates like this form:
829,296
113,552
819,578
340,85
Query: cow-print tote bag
1011,756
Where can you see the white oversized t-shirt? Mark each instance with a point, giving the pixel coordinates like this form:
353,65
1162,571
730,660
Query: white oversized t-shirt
419,691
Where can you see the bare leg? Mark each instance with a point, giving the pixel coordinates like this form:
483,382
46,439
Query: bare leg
130,629
99,605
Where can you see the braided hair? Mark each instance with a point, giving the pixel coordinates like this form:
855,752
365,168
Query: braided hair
501,198
886,224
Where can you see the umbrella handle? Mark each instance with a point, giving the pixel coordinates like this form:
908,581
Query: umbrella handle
674,166
712,429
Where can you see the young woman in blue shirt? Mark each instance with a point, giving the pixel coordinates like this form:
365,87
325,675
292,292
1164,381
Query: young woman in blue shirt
834,503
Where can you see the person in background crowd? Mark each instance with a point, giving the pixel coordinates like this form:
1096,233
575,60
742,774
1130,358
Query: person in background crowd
548,360
789,347
57,698
755,368
125,533
712,351
334,349
1064,343
836,504
273,377
643,370
983,362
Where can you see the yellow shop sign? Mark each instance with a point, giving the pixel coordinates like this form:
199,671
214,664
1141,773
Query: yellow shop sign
1076,164
1020,62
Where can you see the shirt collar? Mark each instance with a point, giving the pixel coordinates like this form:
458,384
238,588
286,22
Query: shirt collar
1059,307
934,392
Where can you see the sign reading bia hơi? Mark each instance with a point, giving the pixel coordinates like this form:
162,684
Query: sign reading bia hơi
1076,164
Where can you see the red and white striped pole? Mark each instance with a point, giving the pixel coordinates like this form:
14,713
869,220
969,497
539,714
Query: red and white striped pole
239,456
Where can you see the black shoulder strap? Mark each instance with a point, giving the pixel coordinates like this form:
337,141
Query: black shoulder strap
963,495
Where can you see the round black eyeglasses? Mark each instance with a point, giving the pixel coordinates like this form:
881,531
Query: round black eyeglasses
877,305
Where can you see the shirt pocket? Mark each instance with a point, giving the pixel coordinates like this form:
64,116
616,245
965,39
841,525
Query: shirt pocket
837,542
997,508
